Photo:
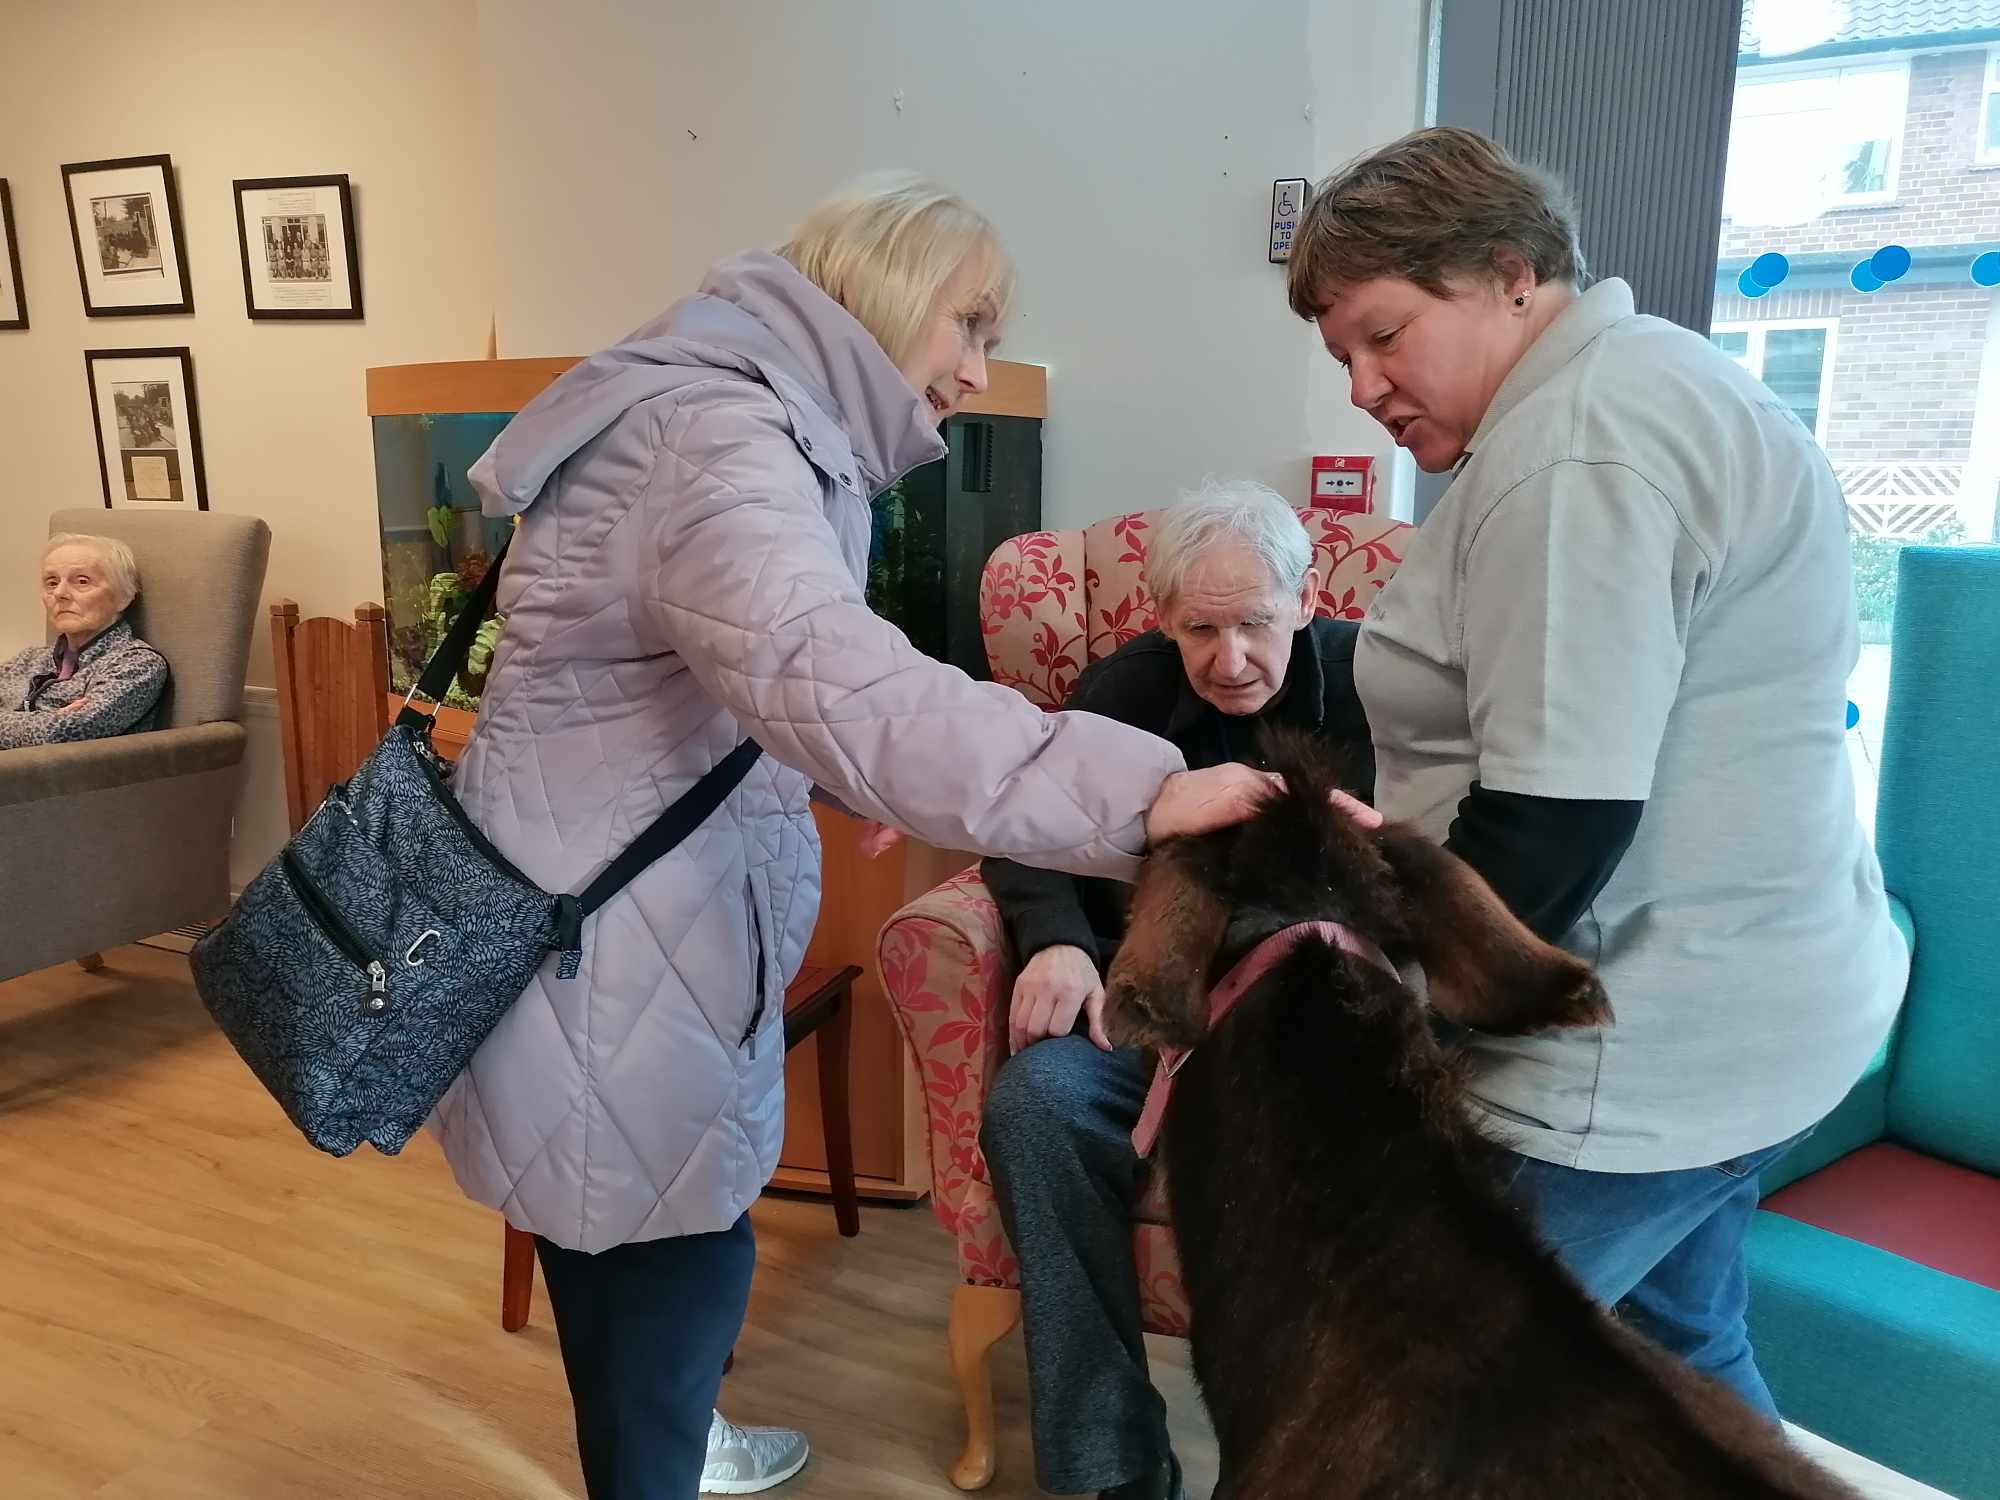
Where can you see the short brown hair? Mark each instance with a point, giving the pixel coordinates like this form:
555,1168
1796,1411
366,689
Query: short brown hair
1438,203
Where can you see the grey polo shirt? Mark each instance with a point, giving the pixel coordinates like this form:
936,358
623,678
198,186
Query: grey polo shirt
1638,588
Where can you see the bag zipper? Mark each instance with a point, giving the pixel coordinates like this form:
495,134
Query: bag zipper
328,919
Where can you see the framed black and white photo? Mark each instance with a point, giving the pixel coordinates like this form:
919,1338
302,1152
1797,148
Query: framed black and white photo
148,432
13,301
125,222
296,236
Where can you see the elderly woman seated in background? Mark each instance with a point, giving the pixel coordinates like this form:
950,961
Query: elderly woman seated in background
97,678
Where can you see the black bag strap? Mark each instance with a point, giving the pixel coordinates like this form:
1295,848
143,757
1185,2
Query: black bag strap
688,812
449,659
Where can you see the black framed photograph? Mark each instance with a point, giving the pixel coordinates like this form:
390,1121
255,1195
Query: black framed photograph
148,431
296,237
125,222
13,301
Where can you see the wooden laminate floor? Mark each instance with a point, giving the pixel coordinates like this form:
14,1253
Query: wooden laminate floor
195,1304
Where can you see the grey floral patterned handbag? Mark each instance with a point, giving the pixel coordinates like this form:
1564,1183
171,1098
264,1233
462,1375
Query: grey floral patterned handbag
361,969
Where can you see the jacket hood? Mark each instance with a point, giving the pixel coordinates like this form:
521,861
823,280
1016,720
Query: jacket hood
755,316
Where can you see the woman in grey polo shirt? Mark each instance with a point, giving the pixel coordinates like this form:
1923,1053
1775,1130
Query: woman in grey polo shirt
1611,675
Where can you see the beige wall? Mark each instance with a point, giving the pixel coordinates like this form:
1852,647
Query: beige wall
385,92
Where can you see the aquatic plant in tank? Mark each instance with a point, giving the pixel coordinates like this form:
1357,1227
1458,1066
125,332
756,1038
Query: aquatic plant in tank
906,574
933,530
436,546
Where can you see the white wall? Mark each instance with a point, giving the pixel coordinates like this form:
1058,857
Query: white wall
1126,149
1367,63
385,92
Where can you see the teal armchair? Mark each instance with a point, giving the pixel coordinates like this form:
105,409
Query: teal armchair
1875,1262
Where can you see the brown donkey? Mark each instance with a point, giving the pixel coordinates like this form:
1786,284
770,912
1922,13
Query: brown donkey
1370,1317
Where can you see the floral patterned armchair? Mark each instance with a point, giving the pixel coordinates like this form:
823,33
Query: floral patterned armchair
1051,602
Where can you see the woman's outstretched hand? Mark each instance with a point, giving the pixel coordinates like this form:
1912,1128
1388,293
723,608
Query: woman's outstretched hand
1191,802
1358,810
877,839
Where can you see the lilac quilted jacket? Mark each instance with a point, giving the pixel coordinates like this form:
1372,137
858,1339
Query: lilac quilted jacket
693,534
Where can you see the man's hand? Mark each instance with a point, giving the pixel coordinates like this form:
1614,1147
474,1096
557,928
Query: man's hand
1191,802
1056,984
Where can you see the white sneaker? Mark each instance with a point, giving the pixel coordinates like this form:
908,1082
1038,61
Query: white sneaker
744,1460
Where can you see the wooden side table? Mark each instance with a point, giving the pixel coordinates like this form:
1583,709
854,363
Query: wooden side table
819,1000
816,1003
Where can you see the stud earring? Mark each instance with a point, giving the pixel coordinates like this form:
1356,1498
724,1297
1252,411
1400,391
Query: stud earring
1522,300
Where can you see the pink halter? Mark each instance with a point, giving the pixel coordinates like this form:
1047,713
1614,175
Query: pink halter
1252,967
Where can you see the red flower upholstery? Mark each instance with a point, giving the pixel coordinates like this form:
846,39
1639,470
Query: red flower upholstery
1052,602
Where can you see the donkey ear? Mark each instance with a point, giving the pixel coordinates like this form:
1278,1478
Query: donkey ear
1157,991
1485,969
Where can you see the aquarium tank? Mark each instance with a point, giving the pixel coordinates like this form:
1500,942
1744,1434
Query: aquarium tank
932,533
934,529
436,546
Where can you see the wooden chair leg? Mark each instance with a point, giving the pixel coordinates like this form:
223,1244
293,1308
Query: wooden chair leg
980,1317
517,1279
835,1123
90,963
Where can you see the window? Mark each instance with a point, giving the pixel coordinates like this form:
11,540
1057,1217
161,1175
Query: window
1989,113
1907,428
1803,142
1794,359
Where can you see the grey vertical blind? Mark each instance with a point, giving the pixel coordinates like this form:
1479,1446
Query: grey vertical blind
1629,102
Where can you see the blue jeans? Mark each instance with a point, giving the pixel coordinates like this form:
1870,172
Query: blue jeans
1058,1142
1665,1249
644,1330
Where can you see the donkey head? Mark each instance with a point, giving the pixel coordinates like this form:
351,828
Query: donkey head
1200,901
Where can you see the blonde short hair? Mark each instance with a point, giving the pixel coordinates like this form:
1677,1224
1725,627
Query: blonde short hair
884,247
121,568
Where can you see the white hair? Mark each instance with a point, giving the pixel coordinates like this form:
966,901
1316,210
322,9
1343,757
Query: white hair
121,568
1239,510
884,246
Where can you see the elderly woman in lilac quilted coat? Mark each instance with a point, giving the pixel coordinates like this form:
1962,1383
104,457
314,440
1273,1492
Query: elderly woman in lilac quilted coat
693,534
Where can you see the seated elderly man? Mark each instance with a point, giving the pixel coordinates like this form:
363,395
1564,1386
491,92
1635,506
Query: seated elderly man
1238,646
97,679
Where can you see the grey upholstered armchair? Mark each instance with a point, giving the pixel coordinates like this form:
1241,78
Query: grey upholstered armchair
105,841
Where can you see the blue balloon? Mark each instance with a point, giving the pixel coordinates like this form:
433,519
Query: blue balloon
1863,279
1769,269
1986,268
1853,714
1890,262
1747,285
